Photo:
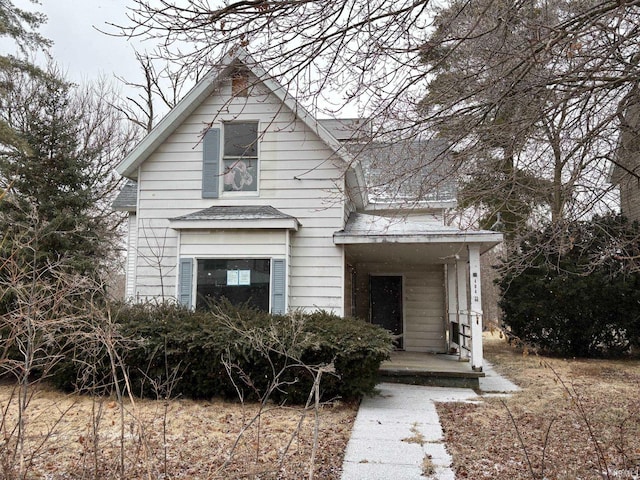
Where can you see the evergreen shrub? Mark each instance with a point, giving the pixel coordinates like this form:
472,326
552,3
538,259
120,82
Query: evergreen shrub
193,346
583,300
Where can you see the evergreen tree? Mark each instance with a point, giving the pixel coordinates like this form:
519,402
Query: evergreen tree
522,148
581,298
53,200
19,27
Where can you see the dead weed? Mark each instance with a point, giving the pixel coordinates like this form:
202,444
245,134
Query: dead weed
572,419
71,436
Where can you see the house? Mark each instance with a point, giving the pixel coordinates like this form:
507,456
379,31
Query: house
240,192
626,172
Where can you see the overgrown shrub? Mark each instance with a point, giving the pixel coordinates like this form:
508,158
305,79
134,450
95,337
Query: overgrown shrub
583,300
233,352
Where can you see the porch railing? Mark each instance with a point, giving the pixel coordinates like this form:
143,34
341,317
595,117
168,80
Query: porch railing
464,327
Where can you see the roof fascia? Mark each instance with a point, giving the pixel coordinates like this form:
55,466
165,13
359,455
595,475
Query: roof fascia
171,121
270,224
420,206
483,237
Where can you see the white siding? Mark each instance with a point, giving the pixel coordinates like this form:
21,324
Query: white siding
233,244
424,310
156,265
298,175
348,291
630,198
132,247
423,302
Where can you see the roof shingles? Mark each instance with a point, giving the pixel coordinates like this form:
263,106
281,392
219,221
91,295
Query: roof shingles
247,212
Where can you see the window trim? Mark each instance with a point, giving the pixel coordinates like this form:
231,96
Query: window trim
197,261
272,261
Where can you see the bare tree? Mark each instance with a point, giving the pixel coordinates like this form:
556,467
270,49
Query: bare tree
521,100
544,72
105,135
45,307
161,88
531,151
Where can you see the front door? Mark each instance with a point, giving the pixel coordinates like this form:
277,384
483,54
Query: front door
386,303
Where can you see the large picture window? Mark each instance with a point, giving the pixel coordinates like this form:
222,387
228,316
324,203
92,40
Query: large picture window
238,280
240,157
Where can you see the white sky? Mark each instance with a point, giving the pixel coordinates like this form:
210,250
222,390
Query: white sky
79,48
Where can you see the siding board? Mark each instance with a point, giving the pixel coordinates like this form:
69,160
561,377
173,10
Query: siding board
170,186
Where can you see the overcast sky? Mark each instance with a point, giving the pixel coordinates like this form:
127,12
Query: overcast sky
79,48
85,53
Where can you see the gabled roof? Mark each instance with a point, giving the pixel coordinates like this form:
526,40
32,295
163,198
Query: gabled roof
205,87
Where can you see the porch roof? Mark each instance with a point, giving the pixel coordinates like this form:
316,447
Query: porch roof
372,236
127,198
229,217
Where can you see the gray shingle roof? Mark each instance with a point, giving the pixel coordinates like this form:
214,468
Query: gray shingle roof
248,212
364,224
126,200
406,170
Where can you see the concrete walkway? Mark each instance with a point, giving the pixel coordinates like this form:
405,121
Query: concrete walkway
397,434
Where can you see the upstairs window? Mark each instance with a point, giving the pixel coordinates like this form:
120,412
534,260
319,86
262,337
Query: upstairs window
240,157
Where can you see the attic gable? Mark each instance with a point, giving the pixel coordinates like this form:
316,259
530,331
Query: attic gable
232,68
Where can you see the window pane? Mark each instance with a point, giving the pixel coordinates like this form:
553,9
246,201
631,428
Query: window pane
238,280
241,139
240,175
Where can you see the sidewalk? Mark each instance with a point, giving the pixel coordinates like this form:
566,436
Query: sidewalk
397,434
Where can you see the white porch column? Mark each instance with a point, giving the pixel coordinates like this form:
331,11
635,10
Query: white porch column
475,310
452,304
463,307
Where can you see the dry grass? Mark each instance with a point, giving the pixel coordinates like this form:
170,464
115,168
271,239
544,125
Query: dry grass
177,439
416,436
573,419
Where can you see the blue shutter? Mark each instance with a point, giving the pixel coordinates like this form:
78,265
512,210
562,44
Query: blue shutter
185,281
211,163
278,286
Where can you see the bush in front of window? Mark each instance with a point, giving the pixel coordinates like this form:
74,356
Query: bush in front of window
234,352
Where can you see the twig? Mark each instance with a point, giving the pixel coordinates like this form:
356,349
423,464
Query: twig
520,439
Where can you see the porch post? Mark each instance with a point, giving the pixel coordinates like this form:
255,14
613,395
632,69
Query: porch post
463,307
475,310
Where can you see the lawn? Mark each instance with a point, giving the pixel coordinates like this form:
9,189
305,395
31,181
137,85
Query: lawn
573,419
73,437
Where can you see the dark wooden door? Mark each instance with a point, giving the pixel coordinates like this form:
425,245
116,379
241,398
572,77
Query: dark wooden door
386,303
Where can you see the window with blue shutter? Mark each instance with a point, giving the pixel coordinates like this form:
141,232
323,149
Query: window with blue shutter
278,286
240,157
211,164
185,281
241,281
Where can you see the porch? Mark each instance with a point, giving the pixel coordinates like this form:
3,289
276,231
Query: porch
421,281
434,369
